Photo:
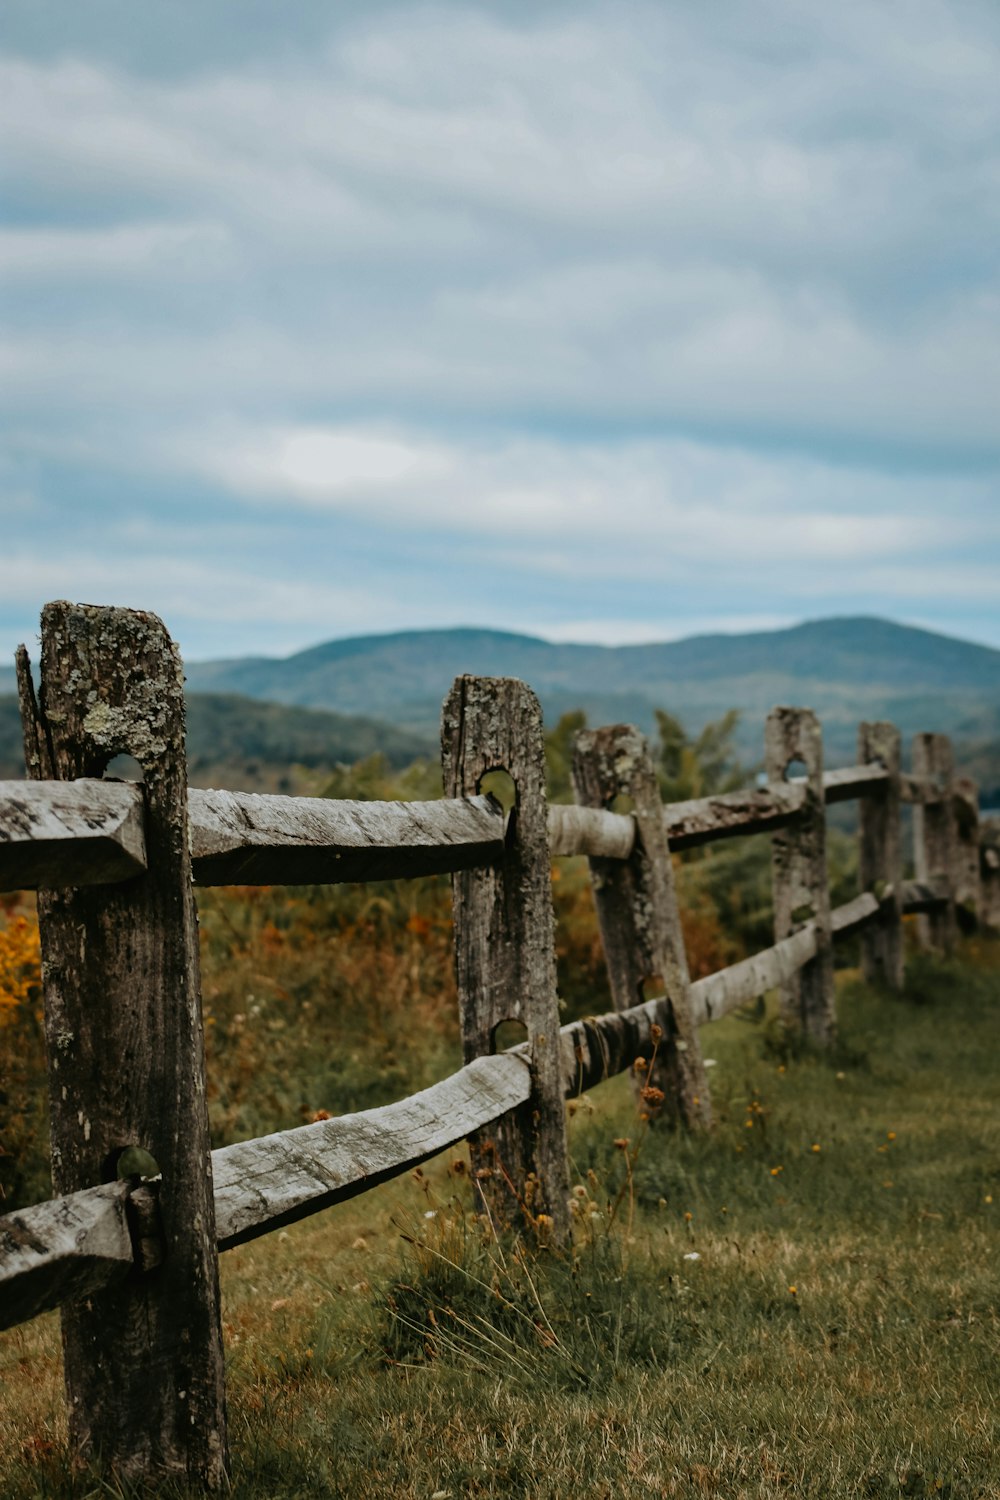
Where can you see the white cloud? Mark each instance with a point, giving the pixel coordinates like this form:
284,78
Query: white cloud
765,227
644,506
142,249
431,278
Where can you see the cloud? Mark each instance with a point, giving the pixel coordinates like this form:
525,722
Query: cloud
780,230
595,501
433,313
138,249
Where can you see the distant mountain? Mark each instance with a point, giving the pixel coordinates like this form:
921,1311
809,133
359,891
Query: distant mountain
237,742
846,669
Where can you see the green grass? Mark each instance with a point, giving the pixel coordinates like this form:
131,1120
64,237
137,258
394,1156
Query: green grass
838,1333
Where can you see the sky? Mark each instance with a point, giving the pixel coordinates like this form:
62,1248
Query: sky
599,322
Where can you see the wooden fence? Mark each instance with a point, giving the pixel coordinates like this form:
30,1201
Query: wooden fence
129,1246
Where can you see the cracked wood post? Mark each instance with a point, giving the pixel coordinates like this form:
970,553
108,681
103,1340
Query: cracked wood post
989,873
143,1360
637,914
934,836
798,871
504,939
881,856
968,885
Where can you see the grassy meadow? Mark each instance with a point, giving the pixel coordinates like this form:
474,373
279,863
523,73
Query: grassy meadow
806,1303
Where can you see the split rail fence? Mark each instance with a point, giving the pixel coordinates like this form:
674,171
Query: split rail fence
129,1246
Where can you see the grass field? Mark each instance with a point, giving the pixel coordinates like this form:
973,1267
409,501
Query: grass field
807,1304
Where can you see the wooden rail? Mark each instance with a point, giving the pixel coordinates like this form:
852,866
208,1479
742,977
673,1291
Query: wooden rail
90,832
72,1246
123,856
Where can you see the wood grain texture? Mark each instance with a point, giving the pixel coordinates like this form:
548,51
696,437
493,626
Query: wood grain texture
264,1184
732,814
241,839
850,783
575,830
880,855
934,837
69,833
143,1361
798,865
859,912
638,917
505,940
63,1250
773,968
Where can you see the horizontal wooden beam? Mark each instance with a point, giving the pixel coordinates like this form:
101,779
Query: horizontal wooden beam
732,814
925,895
264,1184
67,833
856,913
238,838
590,830
717,994
61,1250
850,782
76,833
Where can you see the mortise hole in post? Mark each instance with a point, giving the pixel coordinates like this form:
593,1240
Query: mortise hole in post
652,987
622,803
499,784
128,1162
509,1033
796,769
124,768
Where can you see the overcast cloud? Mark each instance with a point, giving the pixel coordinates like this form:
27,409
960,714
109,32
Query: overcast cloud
608,323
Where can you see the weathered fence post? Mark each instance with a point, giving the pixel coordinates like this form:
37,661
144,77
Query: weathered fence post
798,865
968,885
143,1360
881,856
934,838
504,942
989,872
637,913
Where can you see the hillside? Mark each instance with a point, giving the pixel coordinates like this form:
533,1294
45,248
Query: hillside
847,669
237,742
250,718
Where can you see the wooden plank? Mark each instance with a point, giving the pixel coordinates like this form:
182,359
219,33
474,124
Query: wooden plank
639,921
90,832
264,1184
718,994
853,782
505,943
241,839
62,1250
69,833
143,1360
732,814
880,856
593,831
925,896
801,891
934,838
858,912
